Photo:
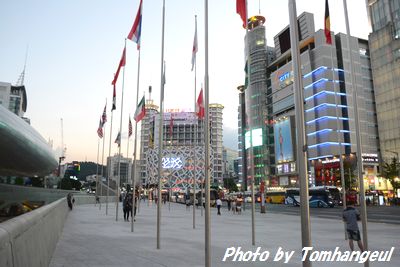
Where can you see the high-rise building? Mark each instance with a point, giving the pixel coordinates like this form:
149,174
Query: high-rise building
329,112
125,169
13,98
183,143
384,48
252,103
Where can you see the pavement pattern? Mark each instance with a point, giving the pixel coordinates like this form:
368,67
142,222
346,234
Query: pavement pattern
90,238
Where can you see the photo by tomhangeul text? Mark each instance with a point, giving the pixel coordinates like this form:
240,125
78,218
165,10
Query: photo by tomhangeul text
280,255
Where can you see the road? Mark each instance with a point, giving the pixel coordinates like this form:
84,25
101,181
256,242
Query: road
380,214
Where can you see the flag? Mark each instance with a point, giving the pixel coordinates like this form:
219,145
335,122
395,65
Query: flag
241,10
134,34
195,46
246,79
327,24
130,127
121,64
163,76
104,116
118,139
171,126
100,129
200,105
151,134
114,100
140,110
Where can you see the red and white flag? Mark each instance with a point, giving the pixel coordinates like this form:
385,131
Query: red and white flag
134,34
241,10
130,127
140,110
100,129
200,105
122,63
195,47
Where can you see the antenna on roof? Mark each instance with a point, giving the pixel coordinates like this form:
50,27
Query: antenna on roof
21,78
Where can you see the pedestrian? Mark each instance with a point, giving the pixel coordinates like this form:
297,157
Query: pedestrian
233,206
351,215
127,206
228,201
239,206
70,200
219,204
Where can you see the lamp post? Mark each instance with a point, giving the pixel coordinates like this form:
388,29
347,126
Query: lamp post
241,89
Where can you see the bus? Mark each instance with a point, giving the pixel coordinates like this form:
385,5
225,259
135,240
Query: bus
275,197
320,197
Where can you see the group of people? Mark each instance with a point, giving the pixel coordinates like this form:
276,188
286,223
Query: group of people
234,205
127,206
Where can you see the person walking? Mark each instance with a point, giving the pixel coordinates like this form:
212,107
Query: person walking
228,201
219,204
70,200
351,215
127,206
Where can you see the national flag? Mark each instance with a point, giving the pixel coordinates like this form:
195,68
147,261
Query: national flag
246,79
122,63
200,105
195,46
100,129
140,110
130,127
104,116
327,24
118,139
134,34
171,126
114,100
163,76
241,10
151,134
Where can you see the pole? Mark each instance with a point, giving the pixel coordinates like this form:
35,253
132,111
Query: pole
251,149
207,144
102,161
109,167
160,131
358,138
194,147
300,133
119,147
97,168
135,146
339,137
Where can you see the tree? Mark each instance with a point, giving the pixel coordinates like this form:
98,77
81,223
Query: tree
66,183
391,172
230,184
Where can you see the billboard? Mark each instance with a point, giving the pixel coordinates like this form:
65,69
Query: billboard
283,140
257,138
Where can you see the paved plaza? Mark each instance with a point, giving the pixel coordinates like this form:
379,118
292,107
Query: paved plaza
90,238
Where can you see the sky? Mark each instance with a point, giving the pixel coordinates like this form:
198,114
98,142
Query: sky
74,48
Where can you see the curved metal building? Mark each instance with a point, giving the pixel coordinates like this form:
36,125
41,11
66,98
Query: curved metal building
23,151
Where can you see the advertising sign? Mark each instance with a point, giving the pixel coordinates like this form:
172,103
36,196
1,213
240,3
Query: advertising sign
283,141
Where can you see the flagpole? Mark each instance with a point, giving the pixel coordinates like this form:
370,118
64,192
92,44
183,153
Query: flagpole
102,161
160,132
358,138
135,147
194,147
109,156
120,132
207,144
339,137
301,139
97,168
